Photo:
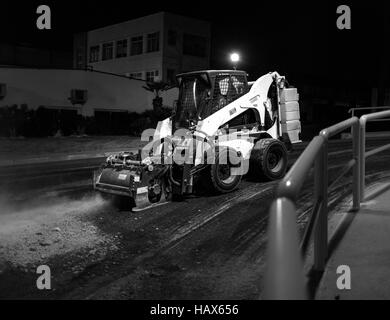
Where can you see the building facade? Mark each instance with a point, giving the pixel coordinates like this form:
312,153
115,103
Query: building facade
58,98
157,46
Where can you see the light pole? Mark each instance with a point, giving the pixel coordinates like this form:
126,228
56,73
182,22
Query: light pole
235,58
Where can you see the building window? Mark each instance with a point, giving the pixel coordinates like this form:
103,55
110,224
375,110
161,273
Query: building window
94,53
136,75
172,38
136,45
108,51
171,76
153,43
121,48
151,75
194,45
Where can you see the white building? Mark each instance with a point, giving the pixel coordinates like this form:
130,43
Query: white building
154,47
53,89
110,99
159,45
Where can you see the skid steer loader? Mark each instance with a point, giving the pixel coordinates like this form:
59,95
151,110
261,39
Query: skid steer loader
221,128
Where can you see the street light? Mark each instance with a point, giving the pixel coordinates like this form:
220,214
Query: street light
235,58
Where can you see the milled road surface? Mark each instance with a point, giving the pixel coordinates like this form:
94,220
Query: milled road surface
202,248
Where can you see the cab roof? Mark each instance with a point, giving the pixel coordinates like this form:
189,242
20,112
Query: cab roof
212,73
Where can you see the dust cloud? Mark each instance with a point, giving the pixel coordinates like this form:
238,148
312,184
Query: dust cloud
44,211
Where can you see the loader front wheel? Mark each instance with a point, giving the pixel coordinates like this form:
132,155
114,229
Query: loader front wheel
269,159
222,174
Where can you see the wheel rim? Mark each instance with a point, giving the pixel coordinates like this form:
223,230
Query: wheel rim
154,194
225,173
275,160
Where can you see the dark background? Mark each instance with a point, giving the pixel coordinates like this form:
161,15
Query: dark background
333,69
289,36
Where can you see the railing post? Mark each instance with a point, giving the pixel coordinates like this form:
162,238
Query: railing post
321,195
362,157
352,115
356,167
284,278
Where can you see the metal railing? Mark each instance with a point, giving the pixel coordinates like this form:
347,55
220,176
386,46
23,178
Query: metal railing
352,111
284,274
363,154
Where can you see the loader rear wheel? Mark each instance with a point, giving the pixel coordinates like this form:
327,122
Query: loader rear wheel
269,159
221,175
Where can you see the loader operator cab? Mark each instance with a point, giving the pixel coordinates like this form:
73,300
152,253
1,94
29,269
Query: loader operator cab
203,93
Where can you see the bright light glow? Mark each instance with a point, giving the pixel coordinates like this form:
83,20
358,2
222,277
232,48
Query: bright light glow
235,57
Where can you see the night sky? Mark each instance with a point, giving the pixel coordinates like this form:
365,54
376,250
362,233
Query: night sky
291,37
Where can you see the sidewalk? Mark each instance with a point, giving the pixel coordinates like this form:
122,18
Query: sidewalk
365,248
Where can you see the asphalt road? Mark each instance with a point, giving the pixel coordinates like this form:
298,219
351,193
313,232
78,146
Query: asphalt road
202,248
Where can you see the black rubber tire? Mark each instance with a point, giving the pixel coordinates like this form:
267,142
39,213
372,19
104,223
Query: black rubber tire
269,159
175,195
212,176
